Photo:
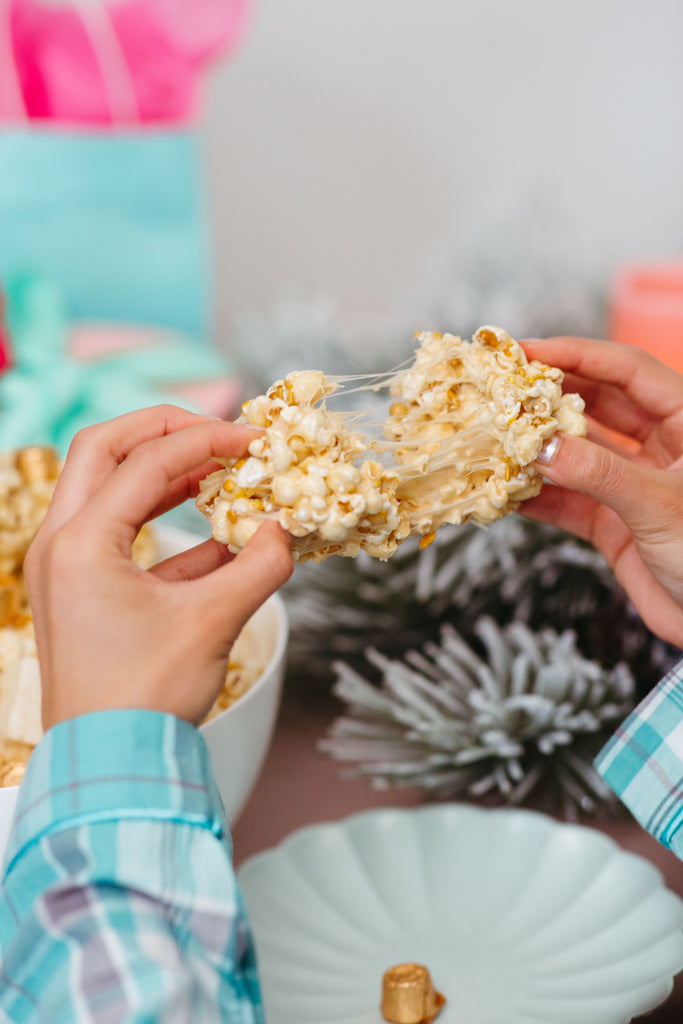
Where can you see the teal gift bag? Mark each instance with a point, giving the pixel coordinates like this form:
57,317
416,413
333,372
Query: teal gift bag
114,220
114,216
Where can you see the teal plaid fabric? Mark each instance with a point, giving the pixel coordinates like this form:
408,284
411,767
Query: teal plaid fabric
119,901
643,761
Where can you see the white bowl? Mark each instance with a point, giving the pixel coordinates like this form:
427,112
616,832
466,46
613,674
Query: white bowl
8,798
239,737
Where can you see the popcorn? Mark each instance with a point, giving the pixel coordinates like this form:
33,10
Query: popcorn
305,472
144,552
27,480
465,423
20,700
20,696
469,420
245,666
12,772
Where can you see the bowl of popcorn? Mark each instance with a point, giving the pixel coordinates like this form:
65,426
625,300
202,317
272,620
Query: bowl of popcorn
239,726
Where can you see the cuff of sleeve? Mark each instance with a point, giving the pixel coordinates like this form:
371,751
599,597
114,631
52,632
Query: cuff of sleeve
643,761
115,765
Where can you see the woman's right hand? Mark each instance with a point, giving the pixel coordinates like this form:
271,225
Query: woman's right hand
621,487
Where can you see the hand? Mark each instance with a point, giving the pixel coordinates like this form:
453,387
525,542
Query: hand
110,634
622,487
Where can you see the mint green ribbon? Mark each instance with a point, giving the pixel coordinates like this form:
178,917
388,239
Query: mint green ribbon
47,396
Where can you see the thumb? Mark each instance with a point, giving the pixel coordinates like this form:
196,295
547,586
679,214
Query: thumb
628,488
243,584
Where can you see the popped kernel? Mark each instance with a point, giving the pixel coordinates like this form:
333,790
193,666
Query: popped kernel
27,480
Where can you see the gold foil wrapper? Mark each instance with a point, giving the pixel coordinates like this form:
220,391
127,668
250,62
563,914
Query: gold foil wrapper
408,995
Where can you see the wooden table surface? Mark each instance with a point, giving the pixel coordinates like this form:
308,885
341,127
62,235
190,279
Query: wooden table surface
299,786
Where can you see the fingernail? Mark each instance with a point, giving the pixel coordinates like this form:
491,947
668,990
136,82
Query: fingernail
549,450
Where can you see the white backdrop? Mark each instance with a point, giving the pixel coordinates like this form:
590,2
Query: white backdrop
355,147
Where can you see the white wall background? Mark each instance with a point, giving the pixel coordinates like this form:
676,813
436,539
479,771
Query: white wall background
355,148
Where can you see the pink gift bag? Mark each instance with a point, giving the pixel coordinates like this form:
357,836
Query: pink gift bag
101,189
129,62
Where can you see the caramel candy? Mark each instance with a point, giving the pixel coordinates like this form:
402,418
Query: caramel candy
37,463
408,995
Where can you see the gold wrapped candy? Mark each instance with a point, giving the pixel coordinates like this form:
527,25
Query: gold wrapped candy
408,995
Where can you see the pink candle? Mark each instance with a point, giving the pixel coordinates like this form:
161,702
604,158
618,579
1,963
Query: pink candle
646,309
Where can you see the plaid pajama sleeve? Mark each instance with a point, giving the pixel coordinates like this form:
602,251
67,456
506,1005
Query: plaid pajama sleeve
643,761
119,902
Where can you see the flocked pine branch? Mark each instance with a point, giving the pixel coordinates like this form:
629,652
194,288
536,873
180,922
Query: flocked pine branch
528,708
516,569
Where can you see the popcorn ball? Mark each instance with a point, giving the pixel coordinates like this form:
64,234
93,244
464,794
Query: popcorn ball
465,422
